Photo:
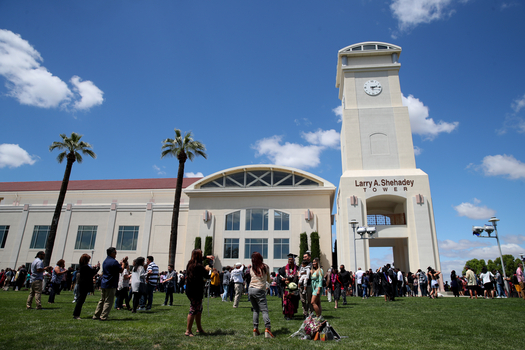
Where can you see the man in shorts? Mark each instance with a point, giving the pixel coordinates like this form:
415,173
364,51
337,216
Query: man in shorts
471,282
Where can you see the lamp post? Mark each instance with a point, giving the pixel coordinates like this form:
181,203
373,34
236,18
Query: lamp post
361,231
354,224
489,229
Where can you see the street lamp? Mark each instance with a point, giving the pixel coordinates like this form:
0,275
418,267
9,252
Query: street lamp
489,229
361,231
354,224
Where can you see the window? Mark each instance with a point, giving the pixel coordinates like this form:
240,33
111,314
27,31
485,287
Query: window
257,220
86,236
39,239
256,245
281,248
260,178
4,230
281,221
233,221
127,237
231,248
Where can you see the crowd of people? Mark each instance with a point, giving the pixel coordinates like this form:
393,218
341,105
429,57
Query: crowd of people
132,287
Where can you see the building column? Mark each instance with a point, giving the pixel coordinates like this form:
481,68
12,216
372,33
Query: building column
61,238
13,260
111,229
146,234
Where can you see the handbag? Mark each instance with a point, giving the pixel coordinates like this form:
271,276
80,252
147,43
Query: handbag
143,289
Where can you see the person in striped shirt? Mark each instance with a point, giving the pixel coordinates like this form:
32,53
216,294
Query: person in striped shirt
153,280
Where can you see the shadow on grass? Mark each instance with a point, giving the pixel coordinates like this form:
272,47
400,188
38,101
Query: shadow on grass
217,332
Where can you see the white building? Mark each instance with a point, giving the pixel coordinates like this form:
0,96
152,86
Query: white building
244,209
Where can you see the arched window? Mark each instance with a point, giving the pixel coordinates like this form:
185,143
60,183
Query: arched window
281,221
257,220
233,221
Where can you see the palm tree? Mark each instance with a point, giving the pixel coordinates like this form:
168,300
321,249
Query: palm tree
183,148
73,148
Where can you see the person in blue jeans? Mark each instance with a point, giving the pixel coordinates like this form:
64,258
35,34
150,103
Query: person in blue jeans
226,276
365,284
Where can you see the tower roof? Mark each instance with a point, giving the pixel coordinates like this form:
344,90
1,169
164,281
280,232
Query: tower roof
366,48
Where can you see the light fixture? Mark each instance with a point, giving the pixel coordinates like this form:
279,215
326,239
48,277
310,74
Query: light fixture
489,229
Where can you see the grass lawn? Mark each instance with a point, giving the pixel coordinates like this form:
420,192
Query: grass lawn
408,323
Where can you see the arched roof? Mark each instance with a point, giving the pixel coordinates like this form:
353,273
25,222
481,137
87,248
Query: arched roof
261,175
369,47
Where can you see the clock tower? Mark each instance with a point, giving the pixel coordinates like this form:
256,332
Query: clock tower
380,186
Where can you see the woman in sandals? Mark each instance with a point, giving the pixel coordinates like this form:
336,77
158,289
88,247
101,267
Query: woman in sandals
316,276
195,282
260,274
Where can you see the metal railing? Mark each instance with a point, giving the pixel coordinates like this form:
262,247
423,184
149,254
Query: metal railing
391,219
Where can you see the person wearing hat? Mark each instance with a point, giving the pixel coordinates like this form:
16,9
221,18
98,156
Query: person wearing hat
37,277
289,276
238,281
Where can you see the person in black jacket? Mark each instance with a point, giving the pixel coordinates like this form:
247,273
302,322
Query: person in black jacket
345,278
195,282
85,282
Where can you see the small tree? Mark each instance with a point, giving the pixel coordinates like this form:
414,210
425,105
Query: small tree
314,242
334,254
208,248
303,246
198,243
476,265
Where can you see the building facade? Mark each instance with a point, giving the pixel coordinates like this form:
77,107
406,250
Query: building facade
243,209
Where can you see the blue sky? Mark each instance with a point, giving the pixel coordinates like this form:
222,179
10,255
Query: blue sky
255,82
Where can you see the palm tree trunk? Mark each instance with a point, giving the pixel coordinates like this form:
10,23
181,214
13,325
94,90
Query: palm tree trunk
58,209
175,216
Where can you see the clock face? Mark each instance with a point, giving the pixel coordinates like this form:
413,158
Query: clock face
373,87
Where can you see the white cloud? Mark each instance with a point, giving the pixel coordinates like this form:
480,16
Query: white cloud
304,121
473,211
90,95
417,150
159,170
338,111
492,252
449,265
450,248
32,84
410,13
381,261
289,154
325,138
198,174
456,254
297,155
421,124
516,239
13,156
518,104
503,165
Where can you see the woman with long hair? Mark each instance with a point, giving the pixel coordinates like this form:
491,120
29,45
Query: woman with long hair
56,279
336,285
195,282
123,288
85,282
454,283
138,276
486,278
316,276
434,275
260,274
